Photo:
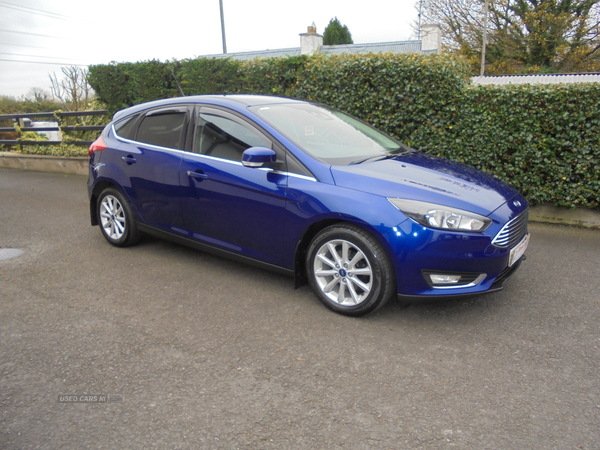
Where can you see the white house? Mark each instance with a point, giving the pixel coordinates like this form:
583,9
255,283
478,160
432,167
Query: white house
311,42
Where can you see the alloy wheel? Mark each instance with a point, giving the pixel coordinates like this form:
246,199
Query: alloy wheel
343,272
112,217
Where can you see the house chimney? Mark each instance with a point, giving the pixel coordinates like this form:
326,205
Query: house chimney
431,37
310,42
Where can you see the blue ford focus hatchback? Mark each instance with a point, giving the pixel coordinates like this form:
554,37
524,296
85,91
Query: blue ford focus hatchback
306,190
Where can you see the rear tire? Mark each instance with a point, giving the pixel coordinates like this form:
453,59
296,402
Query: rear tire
349,270
116,219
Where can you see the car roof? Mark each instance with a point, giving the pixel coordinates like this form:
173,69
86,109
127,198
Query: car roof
234,101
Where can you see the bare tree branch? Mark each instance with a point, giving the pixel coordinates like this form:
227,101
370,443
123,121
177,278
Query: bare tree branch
73,88
553,35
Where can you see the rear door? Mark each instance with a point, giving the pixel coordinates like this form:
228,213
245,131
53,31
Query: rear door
224,203
150,155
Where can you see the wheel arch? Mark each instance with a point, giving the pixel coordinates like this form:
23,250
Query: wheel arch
100,186
300,275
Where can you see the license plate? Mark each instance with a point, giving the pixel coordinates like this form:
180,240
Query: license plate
518,251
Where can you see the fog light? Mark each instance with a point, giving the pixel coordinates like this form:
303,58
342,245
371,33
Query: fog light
439,279
452,280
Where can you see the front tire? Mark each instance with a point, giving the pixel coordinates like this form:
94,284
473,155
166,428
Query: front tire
349,270
116,219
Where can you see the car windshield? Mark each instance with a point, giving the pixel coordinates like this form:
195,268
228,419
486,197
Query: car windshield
329,135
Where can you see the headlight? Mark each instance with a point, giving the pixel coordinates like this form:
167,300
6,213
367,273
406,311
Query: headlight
442,217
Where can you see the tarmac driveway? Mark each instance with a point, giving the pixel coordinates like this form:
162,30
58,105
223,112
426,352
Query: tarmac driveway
174,348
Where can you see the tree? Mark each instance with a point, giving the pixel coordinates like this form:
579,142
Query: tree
37,94
73,89
525,36
336,34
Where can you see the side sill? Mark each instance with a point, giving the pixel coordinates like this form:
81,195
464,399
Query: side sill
181,240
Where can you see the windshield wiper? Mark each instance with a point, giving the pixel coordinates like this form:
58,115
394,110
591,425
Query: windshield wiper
372,158
378,158
401,151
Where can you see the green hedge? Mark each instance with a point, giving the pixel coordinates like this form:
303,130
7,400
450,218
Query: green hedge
544,140
127,84
122,85
404,95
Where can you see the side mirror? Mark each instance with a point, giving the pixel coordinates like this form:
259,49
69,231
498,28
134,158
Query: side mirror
257,156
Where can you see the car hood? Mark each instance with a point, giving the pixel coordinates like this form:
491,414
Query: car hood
427,178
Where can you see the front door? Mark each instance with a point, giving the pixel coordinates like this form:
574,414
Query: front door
224,203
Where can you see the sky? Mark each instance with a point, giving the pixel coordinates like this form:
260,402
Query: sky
39,37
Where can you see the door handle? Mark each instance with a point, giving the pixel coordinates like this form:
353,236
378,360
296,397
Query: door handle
128,159
197,175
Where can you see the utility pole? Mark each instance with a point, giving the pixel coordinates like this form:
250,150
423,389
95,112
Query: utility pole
223,27
420,14
484,43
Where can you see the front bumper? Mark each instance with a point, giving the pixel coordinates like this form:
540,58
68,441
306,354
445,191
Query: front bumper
496,286
480,265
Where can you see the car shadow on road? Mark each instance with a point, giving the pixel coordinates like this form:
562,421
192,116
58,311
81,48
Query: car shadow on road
191,260
476,307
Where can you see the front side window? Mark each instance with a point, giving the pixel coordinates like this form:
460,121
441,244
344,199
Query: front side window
223,137
164,130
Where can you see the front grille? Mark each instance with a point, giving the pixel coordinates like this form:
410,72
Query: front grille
513,231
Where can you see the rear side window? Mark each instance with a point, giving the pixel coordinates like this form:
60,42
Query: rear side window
163,129
124,128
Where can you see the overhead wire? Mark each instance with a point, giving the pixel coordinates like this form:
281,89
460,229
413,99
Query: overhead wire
34,56
39,12
44,62
35,34
36,11
23,45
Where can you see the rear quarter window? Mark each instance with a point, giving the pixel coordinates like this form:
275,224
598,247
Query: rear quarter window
125,128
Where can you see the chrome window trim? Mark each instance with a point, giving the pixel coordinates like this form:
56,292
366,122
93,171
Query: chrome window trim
301,177
212,158
129,141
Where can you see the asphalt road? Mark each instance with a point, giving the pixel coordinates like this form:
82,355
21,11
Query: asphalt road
195,351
